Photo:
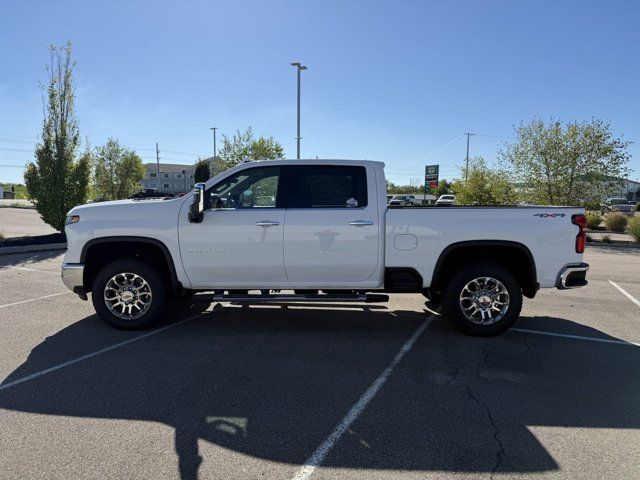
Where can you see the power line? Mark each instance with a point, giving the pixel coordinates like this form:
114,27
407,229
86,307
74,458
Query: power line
492,136
2,139
16,150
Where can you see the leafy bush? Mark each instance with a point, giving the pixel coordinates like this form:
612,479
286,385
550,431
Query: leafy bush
593,221
634,228
638,207
616,222
595,206
606,239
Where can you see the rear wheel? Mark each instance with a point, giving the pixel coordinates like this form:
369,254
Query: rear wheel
482,299
129,294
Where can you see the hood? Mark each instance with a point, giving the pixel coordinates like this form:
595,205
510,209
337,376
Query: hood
127,207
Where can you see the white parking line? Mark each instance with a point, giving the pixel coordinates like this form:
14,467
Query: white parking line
625,293
316,459
7,267
575,337
33,299
33,376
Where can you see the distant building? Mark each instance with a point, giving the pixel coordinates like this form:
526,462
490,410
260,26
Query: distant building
174,178
630,190
620,187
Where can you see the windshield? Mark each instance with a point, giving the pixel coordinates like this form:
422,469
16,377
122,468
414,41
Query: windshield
618,201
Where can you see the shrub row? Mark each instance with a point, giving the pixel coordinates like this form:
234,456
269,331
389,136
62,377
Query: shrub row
634,228
616,222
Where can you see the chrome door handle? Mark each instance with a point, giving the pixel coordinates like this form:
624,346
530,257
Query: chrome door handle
360,223
267,223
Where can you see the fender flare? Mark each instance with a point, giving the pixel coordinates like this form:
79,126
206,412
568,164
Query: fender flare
530,292
175,284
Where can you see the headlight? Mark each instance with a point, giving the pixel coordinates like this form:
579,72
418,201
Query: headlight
72,219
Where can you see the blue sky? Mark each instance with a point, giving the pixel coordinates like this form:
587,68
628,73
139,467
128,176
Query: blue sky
397,81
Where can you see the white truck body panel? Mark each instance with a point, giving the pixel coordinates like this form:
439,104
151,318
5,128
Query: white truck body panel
550,239
319,247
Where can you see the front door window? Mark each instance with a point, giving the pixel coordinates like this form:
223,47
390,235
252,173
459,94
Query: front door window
253,188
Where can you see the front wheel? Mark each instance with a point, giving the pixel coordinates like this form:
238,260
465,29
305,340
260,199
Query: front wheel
482,299
129,294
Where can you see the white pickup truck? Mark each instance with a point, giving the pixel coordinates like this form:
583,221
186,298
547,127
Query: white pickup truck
321,228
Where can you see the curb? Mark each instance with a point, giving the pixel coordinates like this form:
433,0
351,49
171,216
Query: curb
32,248
615,245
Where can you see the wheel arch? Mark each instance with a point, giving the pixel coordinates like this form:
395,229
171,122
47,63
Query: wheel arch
514,256
97,252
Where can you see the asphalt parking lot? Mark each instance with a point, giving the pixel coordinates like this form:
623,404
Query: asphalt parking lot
16,222
349,392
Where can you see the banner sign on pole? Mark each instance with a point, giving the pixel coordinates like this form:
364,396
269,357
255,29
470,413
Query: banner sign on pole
431,174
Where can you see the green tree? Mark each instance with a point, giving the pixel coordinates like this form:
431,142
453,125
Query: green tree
245,145
444,187
118,171
484,186
393,189
566,163
57,181
202,171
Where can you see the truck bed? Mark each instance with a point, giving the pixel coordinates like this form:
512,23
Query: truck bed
417,236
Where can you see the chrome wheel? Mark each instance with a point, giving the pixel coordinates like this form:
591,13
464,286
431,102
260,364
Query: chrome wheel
127,296
484,300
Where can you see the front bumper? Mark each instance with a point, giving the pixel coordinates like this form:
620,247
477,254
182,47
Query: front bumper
72,277
572,276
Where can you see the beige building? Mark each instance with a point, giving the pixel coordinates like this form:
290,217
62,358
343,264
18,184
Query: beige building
173,178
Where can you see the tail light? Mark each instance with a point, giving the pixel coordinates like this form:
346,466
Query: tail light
581,221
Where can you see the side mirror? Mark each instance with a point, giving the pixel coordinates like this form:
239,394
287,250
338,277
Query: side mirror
196,209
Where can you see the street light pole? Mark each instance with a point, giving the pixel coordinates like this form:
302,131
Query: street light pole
299,68
215,152
213,129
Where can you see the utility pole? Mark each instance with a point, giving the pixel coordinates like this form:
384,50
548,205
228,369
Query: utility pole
466,168
158,162
299,68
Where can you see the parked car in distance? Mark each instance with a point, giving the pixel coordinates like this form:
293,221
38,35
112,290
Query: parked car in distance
404,200
446,200
311,226
389,197
618,205
152,193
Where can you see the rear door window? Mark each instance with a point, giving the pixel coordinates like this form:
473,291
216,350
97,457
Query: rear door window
326,186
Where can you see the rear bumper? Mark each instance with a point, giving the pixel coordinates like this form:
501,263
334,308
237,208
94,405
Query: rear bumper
572,276
72,277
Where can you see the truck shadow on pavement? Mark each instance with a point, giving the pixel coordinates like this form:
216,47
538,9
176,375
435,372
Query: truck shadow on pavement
273,383
29,258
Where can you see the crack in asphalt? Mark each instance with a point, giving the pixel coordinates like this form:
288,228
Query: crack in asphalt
475,398
496,431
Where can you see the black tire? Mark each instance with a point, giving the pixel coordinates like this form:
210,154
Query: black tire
154,279
452,306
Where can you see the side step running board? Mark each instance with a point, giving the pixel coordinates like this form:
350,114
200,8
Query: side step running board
276,298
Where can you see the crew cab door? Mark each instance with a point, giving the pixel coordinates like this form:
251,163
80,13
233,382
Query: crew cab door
239,242
331,235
